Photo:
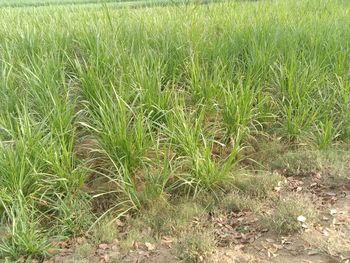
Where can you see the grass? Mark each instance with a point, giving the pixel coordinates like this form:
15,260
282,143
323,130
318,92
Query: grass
150,105
195,246
284,219
38,3
335,245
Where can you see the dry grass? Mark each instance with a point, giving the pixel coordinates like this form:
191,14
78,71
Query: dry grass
336,244
283,219
195,245
257,185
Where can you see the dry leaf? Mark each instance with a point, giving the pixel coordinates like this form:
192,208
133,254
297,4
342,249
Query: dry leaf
106,258
150,246
313,252
80,240
301,219
103,246
277,246
167,240
119,223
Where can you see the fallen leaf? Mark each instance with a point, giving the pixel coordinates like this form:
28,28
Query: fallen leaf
120,223
114,248
325,233
135,245
150,246
167,240
103,246
80,240
301,219
277,189
333,211
106,258
277,246
239,247
313,252
52,251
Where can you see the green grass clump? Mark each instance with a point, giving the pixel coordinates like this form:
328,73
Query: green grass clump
145,105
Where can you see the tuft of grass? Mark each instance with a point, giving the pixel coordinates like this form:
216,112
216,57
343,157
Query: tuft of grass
284,218
84,251
335,245
160,220
298,163
335,164
325,134
169,219
259,185
24,235
194,148
237,201
194,246
73,216
105,231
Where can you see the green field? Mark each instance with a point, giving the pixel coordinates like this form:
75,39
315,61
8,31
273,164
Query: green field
27,3
92,3
15,3
110,112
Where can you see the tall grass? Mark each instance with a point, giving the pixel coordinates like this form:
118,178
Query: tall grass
139,105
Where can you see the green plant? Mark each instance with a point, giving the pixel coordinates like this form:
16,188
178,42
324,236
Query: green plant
24,236
325,134
147,105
